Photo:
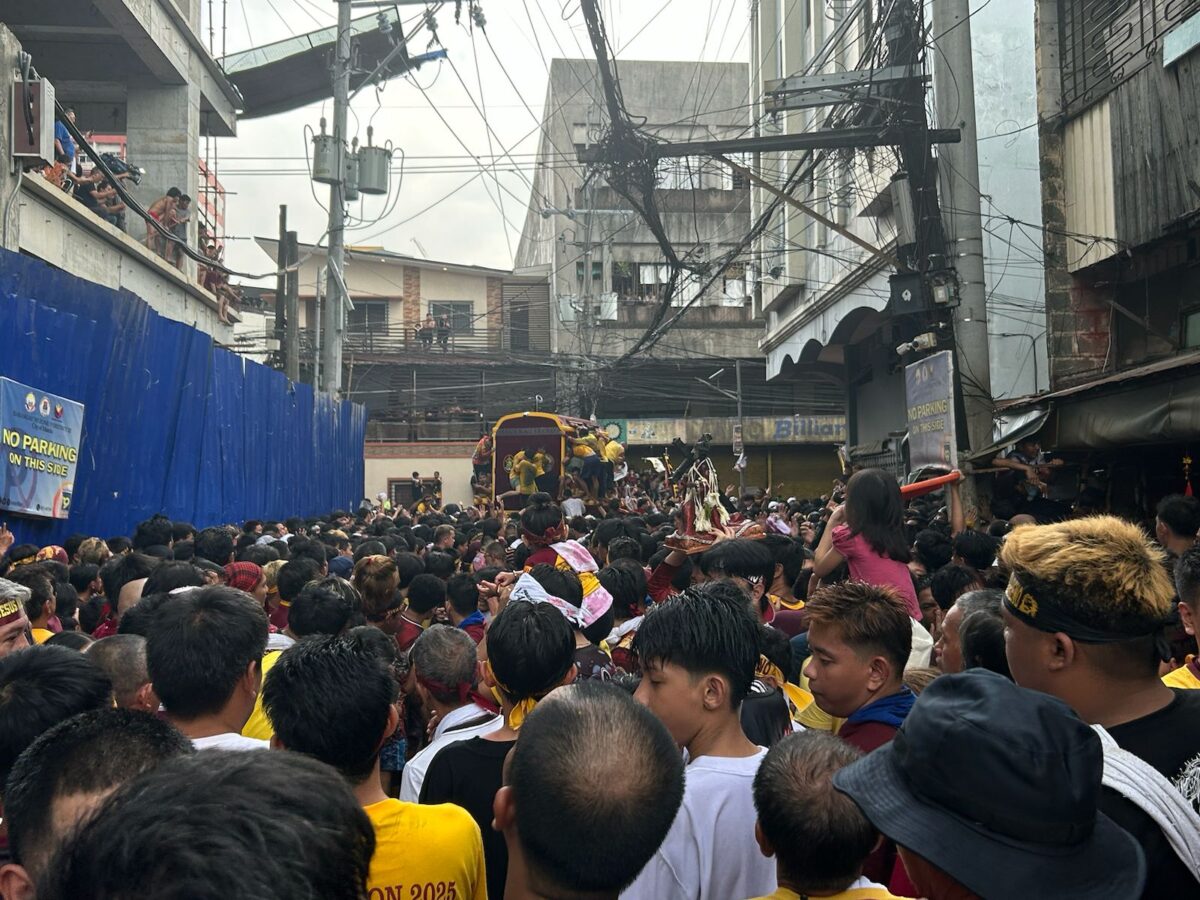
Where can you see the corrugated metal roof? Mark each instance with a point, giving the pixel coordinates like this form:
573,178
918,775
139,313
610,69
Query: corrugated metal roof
1169,364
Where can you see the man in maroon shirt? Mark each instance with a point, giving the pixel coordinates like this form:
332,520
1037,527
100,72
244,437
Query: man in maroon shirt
860,636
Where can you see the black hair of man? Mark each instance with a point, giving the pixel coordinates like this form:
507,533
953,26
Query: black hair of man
122,657
932,549
707,629
120,570
185,551
608,530
87,754
949,583
320,609
200,644
787,552
329,698
565,585
181,830
624,548
740,558
182,531
252,526
426,593
682,578
157,531
1187,578
293,576
168,576
136,620
40,585
72,543
981,635
72,640
259,554
118,544
83,575
410,566
976,549
301,548
567,789
625,580
531,648
39,687
819,836
369,548
215,545
1180,514
439,564
463,594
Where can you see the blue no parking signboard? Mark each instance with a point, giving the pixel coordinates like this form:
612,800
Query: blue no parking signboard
41,434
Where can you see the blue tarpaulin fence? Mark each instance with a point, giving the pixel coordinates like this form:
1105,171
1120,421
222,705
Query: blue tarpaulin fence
172,423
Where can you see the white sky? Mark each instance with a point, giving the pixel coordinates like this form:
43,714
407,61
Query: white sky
466,227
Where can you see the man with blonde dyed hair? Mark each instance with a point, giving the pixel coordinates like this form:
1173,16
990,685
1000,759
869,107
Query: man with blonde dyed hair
1083,616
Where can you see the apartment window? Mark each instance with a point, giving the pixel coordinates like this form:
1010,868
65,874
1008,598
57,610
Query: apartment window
1191,329
460,312
368,315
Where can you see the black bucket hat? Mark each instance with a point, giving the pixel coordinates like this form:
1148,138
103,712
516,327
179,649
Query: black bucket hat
997,786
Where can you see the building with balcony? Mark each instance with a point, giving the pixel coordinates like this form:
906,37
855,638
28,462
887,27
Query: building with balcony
825,299
608,274
1119,107
136,68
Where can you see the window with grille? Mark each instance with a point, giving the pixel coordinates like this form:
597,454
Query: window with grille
460,312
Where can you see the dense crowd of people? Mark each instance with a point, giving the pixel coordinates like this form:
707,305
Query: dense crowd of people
869,699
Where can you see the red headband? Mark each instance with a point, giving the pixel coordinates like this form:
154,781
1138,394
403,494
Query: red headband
548,537
462,690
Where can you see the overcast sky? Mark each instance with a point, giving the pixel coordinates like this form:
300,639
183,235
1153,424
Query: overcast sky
465,227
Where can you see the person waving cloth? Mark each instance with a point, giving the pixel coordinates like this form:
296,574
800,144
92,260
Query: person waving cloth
545,533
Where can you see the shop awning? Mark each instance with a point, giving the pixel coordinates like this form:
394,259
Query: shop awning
294,72
1153,404
1010,427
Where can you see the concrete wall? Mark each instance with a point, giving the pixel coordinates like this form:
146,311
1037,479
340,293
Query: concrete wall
453,460
54,228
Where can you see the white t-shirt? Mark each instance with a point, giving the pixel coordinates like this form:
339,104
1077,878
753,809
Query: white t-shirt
444,735
229,741
710,852
573,507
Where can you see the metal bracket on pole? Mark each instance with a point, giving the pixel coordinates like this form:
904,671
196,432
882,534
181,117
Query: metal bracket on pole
830,89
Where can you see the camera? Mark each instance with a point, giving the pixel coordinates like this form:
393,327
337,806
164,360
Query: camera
118,166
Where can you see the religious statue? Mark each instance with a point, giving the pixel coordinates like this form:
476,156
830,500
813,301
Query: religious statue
704,517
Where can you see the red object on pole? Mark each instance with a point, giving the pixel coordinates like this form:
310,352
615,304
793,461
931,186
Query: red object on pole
929,485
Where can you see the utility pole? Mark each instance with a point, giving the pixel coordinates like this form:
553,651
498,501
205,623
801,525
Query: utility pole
737,368
281,285
954,85
292,304
331,355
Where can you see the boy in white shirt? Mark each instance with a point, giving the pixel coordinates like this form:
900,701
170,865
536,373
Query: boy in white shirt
698,652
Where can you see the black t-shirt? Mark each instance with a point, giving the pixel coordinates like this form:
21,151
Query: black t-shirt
1169,740
468,774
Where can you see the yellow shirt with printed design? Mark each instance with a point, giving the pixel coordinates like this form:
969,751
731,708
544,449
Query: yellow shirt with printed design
258,725
425,851
41,635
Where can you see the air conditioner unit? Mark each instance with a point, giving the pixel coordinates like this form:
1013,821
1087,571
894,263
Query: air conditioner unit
33,122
